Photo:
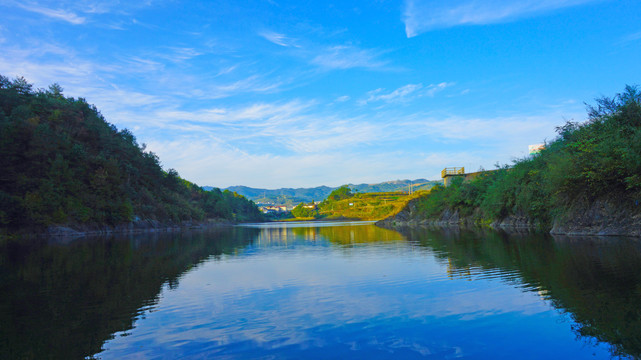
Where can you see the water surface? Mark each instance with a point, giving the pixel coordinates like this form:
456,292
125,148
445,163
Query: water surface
321,290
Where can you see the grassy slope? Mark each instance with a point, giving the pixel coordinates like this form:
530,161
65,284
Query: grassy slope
292,197
367,206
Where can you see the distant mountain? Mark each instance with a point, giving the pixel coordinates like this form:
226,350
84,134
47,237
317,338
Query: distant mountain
289,196
284,196
396,185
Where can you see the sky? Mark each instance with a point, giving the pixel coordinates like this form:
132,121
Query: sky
271,94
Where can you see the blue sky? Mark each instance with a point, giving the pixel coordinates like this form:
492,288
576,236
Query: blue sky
305,93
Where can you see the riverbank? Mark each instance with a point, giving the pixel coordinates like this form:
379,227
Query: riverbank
140,226
63,163
600,217
587,181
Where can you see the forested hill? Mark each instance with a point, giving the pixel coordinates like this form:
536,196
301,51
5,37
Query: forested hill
63,164
295,196
587,181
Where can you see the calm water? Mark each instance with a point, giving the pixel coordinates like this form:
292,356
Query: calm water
341,290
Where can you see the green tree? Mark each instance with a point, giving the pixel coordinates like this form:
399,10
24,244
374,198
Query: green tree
343,192
63,163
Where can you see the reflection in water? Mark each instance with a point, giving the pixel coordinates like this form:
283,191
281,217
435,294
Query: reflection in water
321,290
596,281
341,233
62,301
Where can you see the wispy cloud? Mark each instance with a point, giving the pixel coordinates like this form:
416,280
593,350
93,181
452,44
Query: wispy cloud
522,129
424,15
405,93
220,110
227,70
195,157
139,64
293,126
69,10
278,39
253,83
631,38
347,57
328,149
178,54
46,63
326,55
208,161
399,94
57,14
268,111
435,88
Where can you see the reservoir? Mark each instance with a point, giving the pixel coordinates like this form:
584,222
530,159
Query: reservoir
321,290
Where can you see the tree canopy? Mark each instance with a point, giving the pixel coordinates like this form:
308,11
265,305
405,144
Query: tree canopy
63,163
600,157
343,192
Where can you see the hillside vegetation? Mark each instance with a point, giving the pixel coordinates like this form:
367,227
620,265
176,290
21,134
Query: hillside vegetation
591,172
63,164
290,197
342,203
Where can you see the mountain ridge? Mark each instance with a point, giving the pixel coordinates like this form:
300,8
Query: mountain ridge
293,196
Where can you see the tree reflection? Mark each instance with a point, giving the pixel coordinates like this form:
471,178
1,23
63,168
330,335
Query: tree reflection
347,235
64,301
596,281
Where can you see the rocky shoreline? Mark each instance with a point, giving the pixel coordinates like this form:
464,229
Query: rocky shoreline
139,226
596,218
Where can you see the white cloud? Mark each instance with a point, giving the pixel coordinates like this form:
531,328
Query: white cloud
328,56
300,146
44,64
227,70
292,127
631,38
435,88
405,93
499,129
348,57
278,39
208,161
289,142
423,15
142,65
57,14
178,54
397,95
253,83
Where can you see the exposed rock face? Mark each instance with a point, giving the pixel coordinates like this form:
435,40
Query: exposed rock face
409,216
603,217
518,221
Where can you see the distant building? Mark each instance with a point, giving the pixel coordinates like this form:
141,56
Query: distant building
450,172
536,148
273,209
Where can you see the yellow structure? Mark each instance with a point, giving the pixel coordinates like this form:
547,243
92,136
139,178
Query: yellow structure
450,172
